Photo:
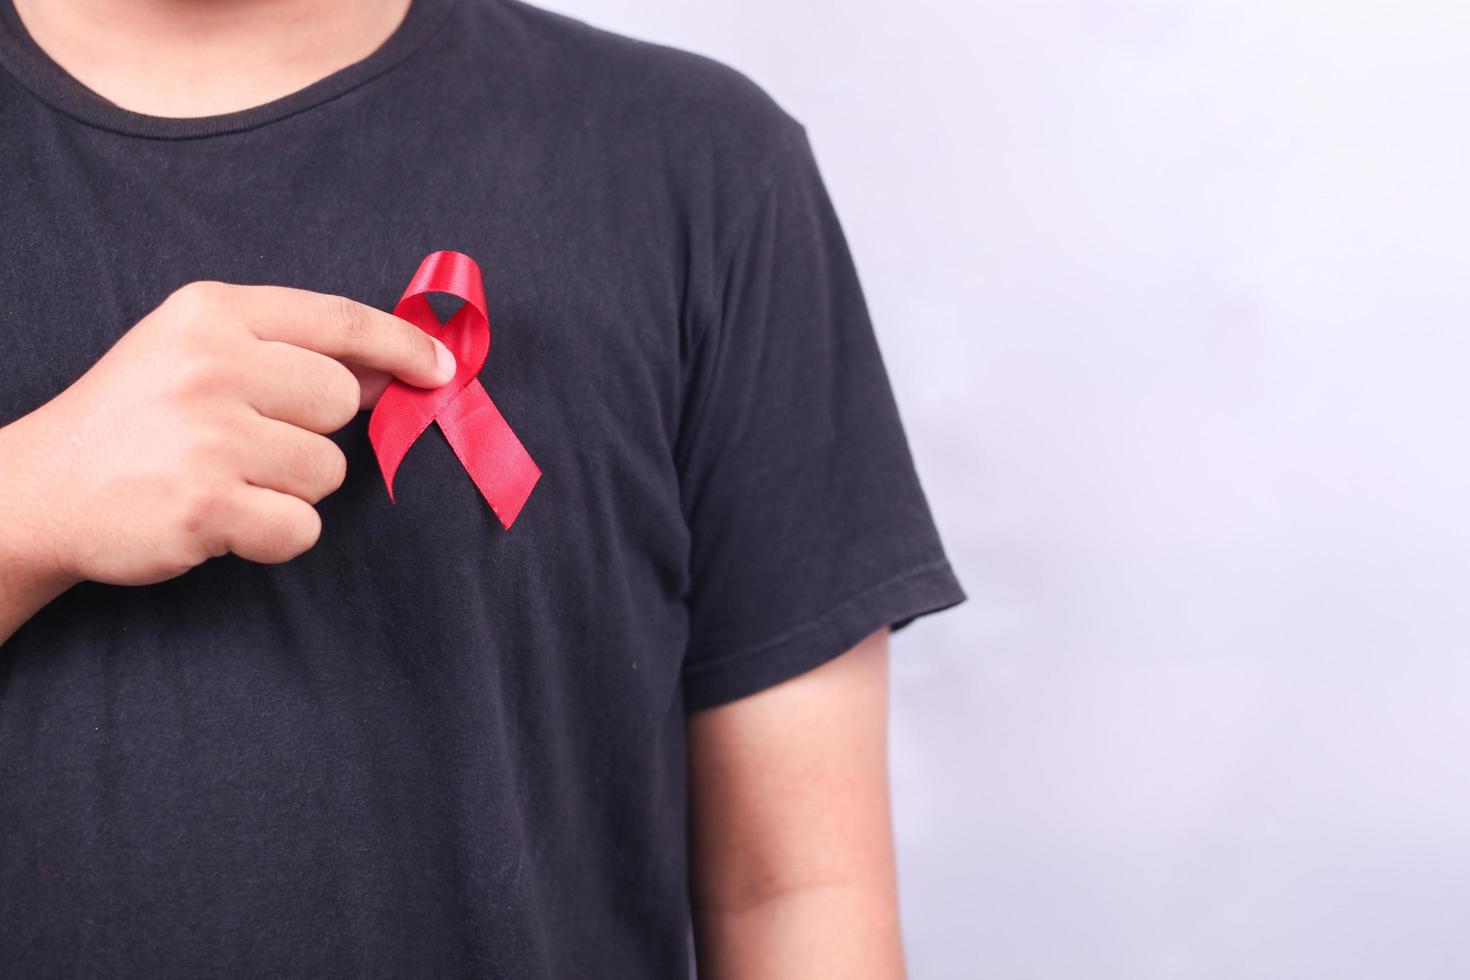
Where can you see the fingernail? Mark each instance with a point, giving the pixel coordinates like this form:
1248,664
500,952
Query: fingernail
446,363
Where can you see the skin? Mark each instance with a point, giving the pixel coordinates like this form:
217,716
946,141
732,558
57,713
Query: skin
792,845
187,58
203,431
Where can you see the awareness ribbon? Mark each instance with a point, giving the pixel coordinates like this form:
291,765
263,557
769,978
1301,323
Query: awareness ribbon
477,432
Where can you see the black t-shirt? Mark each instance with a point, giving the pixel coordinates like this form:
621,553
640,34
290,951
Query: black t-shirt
431,746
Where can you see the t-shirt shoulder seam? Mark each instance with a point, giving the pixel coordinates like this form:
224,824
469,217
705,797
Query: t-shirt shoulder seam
784,163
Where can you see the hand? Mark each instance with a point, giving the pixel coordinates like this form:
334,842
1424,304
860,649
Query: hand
203,430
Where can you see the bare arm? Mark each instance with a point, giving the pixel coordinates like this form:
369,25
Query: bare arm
793,868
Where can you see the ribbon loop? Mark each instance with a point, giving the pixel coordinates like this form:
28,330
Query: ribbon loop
496,461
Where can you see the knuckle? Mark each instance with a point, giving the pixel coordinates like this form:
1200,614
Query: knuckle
183,318
194,298
414,343
407,344
205,449
350,320
200,376
199,513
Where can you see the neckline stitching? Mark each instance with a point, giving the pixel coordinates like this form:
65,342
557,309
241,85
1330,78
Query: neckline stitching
136,125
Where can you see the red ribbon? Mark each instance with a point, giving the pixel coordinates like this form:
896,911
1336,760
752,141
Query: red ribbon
477,432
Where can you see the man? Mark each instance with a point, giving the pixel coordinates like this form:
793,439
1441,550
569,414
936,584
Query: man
258,719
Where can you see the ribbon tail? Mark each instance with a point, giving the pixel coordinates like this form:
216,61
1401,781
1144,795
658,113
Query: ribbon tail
400,417
499,465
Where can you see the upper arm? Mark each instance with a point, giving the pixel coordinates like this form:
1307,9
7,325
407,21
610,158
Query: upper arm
809,538
790,796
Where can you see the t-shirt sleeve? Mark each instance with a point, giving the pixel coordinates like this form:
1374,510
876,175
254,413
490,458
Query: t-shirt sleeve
808,527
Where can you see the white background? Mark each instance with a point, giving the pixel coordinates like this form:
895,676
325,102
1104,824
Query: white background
1174,297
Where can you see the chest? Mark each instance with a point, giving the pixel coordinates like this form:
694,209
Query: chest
584,360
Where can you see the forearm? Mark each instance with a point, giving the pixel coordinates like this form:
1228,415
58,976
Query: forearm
841,929
30,576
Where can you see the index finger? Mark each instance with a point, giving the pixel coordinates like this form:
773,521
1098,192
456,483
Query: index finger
347,330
